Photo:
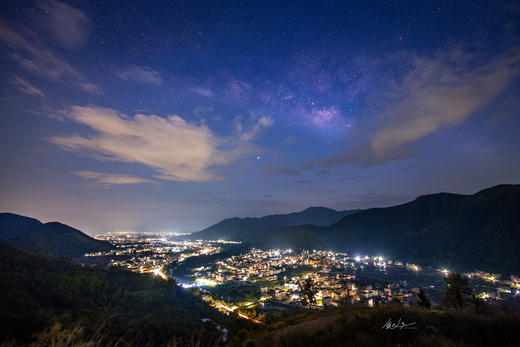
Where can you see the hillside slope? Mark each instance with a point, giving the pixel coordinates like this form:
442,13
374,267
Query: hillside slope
356,325
50,238
459,231
54,301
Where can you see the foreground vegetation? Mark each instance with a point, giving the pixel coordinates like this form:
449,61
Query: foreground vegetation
56,302
354,325
49,301
461,320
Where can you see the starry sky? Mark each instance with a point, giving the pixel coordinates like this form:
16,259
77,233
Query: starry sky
171,115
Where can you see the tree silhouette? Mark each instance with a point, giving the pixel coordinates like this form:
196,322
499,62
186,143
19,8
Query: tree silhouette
422,299
309,290
479,304
457,291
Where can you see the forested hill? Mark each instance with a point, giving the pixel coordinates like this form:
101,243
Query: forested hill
55,301
465,232
50,238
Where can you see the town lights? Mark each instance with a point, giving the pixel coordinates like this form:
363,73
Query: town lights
205,282
158,272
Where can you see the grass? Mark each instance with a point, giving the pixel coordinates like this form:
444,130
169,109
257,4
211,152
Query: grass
353,325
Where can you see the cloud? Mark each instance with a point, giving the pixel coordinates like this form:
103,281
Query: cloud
260,124
90,87
28,51
238,89
26,87
66,24
203,91
141,74
439,93
109,179
434,93
362,155
178,150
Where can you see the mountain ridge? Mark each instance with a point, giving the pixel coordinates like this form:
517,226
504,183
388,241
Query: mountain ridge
236,228
52,238
463,232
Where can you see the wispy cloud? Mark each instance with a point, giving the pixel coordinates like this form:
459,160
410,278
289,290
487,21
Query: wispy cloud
90,87
439,93
68,25
202,91
29,51
178,150
435,93
26,87
141,74
238,89
259,125
108,179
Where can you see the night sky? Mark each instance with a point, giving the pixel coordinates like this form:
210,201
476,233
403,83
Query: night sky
171,115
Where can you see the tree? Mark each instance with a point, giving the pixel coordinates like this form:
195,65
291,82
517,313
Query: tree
309,290
457,291
422,299
479,304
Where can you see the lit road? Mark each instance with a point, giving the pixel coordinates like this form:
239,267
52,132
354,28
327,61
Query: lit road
224,307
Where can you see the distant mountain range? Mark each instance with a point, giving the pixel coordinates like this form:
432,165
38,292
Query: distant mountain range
462,232
238,229
50,238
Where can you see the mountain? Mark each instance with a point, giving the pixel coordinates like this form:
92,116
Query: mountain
461,232
50,238
244,228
